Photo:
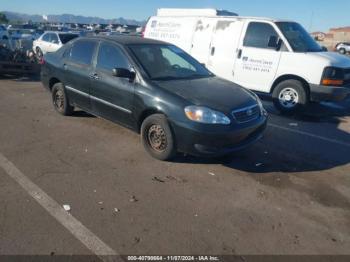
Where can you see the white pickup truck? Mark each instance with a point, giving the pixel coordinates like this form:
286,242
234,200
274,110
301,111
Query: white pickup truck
278,57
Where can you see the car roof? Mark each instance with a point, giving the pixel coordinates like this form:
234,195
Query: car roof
125,39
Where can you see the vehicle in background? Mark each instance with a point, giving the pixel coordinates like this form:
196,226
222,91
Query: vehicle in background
51,41
24,34
343,48
4,35
156,89
277,57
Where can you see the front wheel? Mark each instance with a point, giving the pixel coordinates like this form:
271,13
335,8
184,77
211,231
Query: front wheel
157,137
290,96
60,100
342,51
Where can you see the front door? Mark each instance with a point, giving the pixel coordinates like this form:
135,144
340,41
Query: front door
112,97
257,60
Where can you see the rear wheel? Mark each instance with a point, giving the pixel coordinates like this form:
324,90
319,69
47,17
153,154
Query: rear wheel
342,51
39,53
290,96
60,100
157,137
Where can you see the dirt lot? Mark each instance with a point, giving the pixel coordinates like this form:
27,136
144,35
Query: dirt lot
288,194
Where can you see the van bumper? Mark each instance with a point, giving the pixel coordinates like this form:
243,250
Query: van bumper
320,93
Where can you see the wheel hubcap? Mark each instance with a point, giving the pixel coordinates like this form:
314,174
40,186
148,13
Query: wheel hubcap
157,138
59,100
288,97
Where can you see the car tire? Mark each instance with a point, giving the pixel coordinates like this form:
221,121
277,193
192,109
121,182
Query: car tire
290,96
158,138
60,100
342,51
39,52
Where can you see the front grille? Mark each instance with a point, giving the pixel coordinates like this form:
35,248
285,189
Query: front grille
246,114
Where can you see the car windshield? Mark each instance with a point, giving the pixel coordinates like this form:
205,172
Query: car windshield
168,62
65,38
299,39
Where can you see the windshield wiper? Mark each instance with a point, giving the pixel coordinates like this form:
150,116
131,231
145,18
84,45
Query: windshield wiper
165,78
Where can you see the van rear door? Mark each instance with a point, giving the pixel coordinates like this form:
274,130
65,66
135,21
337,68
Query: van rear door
202,37
257,58
222,51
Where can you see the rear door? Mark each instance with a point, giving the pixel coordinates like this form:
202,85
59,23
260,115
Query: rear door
256,64
223,48
112,97
44,43
78,72
202,37
54,43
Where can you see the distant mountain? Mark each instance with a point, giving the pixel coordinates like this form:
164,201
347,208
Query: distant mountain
68,18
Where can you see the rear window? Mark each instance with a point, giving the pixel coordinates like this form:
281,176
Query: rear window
65,38
82,52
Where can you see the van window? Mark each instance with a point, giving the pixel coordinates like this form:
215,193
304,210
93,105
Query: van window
110,57
258,35
82,52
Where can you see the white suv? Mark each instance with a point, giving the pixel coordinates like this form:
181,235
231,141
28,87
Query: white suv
4,35
51,41
343,48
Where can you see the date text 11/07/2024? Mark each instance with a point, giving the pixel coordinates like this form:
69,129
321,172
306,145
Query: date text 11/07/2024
173,258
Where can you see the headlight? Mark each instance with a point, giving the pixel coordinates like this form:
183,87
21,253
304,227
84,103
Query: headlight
205,115
332,76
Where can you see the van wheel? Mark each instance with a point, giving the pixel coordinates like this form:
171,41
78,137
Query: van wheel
60,100
157,137
290,96
342,51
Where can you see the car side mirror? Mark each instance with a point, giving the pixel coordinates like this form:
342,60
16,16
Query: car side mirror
273,42
123,73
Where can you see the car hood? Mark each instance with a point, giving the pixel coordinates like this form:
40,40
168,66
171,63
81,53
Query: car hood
212,92
331,59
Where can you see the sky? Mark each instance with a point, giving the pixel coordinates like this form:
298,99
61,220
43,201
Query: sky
315,15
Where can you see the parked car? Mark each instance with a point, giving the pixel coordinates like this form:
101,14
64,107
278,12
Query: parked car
343,48
4,35
156,89
51,41
277,57
22,34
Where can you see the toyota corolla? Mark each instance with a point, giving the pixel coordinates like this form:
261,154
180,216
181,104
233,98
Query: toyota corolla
157,90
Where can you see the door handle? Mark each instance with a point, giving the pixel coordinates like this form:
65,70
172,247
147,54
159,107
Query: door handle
239,53
212,52
94,76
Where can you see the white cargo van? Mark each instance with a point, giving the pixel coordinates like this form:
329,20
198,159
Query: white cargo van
266,55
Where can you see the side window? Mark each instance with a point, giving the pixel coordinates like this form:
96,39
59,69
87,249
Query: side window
110,57
46,38
82,52
258,35
54,39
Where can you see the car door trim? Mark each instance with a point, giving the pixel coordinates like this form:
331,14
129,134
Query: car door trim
99,100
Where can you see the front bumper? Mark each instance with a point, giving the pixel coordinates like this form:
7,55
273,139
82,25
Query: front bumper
328,93
212,141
